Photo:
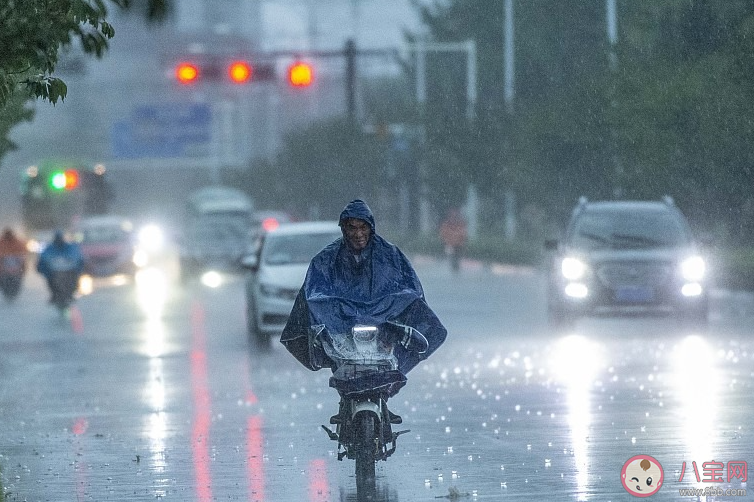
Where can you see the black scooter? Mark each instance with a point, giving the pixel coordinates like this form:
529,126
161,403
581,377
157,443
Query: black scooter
365,376
11,276
65,284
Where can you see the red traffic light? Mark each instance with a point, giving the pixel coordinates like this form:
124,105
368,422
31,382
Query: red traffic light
186,73
300,74
217,69
240,72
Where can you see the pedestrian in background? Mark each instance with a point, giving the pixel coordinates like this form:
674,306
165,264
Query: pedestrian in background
454,235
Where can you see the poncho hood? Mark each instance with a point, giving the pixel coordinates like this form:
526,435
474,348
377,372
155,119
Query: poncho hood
359,209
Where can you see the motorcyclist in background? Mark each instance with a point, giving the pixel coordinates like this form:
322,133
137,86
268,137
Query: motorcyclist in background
11,246
60,256
12,262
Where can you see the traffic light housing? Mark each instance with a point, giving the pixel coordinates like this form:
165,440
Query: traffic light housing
67,179
219,69
300,74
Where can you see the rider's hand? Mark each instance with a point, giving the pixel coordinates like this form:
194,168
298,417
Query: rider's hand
413,340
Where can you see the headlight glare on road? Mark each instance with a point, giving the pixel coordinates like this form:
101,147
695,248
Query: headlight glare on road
576,290
693,269
573,269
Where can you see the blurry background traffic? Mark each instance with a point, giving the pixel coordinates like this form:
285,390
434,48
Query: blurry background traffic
507,110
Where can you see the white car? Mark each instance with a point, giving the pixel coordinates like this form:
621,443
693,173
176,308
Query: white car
276,271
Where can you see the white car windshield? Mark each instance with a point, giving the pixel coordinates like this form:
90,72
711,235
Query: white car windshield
294,249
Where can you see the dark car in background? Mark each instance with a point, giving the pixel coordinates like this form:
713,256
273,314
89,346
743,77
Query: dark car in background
627,257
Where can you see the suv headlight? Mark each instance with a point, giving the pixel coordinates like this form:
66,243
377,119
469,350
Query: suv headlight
693,269
572,269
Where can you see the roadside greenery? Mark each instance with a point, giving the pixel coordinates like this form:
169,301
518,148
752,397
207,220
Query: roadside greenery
487,249
671,114
729,268
733,268
33,33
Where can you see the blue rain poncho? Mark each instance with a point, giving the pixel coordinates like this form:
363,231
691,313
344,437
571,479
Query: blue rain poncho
340,292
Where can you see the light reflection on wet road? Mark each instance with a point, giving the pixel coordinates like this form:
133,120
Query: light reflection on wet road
151,392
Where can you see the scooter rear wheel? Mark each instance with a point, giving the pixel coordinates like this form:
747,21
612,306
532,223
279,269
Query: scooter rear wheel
365,443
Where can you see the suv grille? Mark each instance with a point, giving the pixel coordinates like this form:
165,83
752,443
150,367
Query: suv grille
633,274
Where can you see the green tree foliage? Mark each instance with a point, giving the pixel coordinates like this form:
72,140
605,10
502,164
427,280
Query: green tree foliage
14,111
673,116
555,132
320,166
32,34
683,116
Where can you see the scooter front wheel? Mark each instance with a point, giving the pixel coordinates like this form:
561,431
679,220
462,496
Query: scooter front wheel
365,443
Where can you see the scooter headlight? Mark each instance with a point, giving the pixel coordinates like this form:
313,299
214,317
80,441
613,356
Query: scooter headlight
572,269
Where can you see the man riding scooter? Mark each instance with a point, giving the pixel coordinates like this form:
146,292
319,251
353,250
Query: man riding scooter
362,279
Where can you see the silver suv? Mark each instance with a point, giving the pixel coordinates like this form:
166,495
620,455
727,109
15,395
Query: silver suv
627,257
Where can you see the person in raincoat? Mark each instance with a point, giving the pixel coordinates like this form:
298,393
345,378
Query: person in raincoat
454,234
361,278
59,255
12,253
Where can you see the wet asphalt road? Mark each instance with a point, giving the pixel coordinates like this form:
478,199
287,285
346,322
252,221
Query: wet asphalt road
150,391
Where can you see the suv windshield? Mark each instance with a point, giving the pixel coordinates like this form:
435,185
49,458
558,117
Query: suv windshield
288,249
627,228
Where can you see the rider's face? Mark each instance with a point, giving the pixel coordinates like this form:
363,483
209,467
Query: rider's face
357,233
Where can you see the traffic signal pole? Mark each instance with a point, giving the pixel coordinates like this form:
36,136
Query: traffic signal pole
350,54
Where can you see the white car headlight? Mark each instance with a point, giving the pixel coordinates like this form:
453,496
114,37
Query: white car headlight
693,269
151,237
140,258
572,268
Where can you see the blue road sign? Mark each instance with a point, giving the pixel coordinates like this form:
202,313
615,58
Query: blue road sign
164,130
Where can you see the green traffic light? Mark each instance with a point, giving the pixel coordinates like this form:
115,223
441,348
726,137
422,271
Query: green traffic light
57,180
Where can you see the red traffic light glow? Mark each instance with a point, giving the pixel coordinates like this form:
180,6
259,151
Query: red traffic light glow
240,72
270,224
300,74
186,73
